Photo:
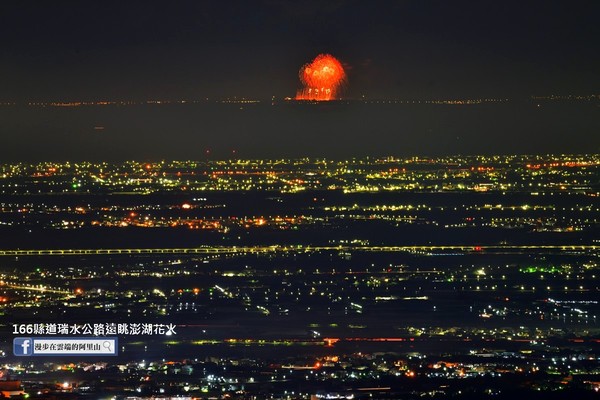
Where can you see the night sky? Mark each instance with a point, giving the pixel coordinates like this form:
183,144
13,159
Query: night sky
141,50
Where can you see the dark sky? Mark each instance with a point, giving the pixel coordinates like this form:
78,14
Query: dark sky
121,50
398,49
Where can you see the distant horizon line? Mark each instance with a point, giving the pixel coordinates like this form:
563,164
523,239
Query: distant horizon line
287,99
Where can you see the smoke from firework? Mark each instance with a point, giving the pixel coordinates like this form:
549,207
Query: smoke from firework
322,78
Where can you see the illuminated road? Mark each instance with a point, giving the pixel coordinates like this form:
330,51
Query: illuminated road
293,249
39,288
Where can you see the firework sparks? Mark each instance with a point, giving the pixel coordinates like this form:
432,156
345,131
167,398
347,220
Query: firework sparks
322,78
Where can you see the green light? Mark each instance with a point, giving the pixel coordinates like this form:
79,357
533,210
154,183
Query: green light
549,269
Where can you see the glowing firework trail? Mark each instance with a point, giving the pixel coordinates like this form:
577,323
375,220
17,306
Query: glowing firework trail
322,78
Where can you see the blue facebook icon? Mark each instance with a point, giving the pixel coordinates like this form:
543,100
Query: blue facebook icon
22,346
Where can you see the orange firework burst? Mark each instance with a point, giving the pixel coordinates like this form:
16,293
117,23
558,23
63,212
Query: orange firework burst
322,78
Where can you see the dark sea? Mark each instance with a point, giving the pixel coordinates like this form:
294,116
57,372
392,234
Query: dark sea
268,129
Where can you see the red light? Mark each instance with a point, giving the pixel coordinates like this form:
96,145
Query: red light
321,79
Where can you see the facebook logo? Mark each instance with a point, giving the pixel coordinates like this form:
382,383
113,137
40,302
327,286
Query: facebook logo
22,346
